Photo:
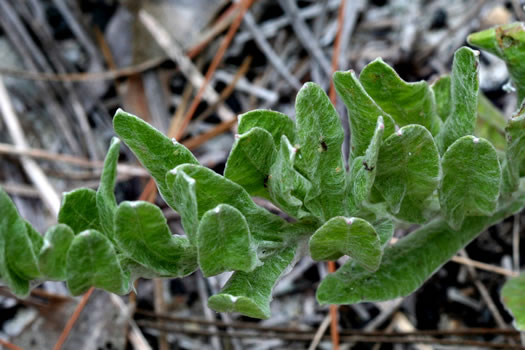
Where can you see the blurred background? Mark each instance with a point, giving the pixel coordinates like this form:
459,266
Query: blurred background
65,68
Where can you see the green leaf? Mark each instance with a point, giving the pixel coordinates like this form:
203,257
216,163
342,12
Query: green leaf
515,155
156,152
471,180
37,241
79,210
363,171
52,257
320,159
225,242
406,103
251,293
18,263
276,123
105,198
464,93
142,233
490,123
92,262
211,189
385,230
513,297
406,265
441,88
354,237
184,188
362,112
408,172
288,187
508,43
250,159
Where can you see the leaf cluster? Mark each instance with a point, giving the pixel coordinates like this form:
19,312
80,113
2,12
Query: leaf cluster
415,156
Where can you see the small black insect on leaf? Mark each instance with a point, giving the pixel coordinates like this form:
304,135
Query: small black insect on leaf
367,168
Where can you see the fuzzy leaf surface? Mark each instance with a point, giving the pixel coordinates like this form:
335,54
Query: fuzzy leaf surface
354,237
363,171
406,265
408,172
406,103
320,160
142,233
183,187
79,210
471,180
251,293
442,94
156,152
515,155
250,159
288,187
276,123
18,262
464,91
52,256
513,297
363,112
508,43
92,262
212,189
224,242
106,202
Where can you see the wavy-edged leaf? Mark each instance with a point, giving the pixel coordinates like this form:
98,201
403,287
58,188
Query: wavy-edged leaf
491,123
156,152
286,186
515,155
106,202
464,91
385,230
406,265
18,263
52,256
92,262
471,180
276,123
320,136
408,172
406,103
212,189
37,241
224,242
184,189
362,112
250,159
79,210
508,43
354,237
442,94
251,293
142,233
363,171
513,297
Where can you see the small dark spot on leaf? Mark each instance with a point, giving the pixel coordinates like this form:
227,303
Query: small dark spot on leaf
368,168
266,181
324,146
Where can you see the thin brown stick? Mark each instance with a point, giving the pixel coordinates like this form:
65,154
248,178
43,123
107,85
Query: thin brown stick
483,266
284,329
244,6
320,332
307,337
73,319
84,77
9,345
202,138
36,153
334,331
